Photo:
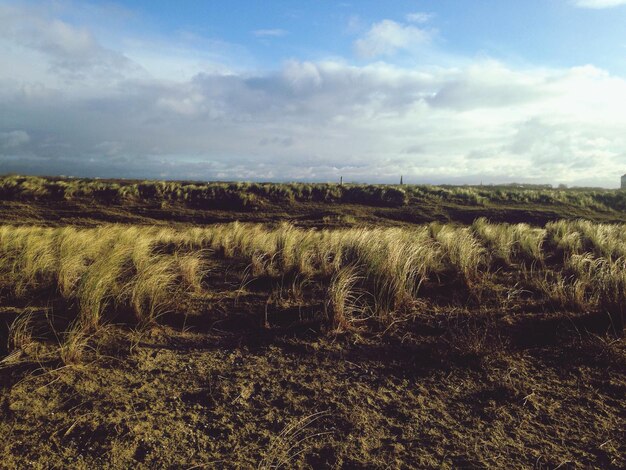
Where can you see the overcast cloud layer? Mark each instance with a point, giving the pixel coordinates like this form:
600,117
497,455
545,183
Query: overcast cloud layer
71,105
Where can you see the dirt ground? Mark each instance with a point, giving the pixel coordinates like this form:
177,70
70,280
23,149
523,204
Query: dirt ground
237,381
229,397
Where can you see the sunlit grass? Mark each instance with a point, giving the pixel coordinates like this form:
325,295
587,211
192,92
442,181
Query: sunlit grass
367,273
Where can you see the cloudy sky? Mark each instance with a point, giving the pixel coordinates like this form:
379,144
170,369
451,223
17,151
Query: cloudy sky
441,91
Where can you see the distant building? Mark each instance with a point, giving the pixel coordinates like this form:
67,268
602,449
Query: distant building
623,181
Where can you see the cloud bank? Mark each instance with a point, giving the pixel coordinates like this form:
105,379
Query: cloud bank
307,120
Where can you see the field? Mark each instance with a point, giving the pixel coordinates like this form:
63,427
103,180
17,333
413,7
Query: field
189,325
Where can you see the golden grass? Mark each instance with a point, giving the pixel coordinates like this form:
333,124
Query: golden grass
462,252
343,299
369,272
111,266
511,242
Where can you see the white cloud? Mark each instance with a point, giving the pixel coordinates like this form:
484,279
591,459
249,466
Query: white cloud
419,17
488,84
599,4
185,57
387,37
316,120
69,50
264,33
482,120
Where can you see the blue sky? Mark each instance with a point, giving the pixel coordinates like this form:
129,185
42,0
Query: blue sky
550,32
441,91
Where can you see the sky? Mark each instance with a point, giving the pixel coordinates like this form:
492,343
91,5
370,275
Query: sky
439,91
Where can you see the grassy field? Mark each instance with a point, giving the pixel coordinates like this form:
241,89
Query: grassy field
310,326
58,201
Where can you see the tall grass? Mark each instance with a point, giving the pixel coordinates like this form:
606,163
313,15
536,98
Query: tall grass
509,243
603,240
141,272
344,300
462,252
108,268
611,282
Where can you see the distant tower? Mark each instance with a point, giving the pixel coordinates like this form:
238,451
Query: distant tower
341,181
624,182
402,183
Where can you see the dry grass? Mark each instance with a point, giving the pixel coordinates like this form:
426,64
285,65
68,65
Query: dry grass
344,299
511,242
462,252
107,268
291,442
369,272
21,332
74,344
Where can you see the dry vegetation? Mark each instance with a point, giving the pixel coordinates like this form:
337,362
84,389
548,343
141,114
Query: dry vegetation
370,277
254,196
76,294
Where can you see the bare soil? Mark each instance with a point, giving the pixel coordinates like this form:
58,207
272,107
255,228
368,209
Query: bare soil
239,382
